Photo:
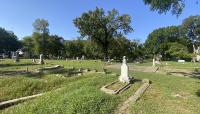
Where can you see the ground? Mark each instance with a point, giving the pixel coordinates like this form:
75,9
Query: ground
168,94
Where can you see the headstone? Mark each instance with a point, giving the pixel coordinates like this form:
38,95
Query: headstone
17,57
77,58
41,59
198,58
3,56
153,62
33,60
181,61
13,55
124,72
157,62
83,57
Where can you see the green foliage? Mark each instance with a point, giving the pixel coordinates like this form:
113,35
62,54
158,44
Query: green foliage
191,27
41,26
178,50
102,28
163,6
41,35
28,45
55,45
81,94
8,41
74,48
157,41
123,47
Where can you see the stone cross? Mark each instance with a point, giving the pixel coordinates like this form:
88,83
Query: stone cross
124,72
41,59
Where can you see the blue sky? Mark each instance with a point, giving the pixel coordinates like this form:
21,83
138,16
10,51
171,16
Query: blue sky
18,15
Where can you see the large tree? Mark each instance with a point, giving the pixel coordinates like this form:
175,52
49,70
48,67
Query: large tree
74,48
158,41
8,41
102,28
55,45
191,29
41,28
28,45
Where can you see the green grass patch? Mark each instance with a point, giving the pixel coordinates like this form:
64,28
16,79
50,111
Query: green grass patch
81,94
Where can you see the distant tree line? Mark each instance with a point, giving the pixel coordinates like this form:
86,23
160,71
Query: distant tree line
103,36
175,41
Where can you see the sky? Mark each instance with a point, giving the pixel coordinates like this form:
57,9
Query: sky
18,15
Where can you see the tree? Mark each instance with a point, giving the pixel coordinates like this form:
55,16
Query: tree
8,41
157,41
102,28
41,27
28,45
55,45
191,29
91,50
74,48
178,50
163,6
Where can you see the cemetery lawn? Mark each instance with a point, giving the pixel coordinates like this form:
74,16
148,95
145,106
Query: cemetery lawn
81,94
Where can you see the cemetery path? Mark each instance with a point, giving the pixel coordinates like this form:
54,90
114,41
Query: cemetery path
162,70
135,68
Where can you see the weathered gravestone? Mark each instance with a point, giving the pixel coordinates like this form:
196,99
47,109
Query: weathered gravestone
41,59
83,57
17,57
124,72
181,61
33,60
198,58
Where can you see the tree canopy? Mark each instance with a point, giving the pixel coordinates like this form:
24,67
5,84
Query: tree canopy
163,6
102,28
191,28
8,41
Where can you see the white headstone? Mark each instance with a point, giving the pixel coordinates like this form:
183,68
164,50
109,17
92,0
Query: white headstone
83,57
124,72
3,56
41,59
153,62
33,60
198,58
77,58
181,61
17,57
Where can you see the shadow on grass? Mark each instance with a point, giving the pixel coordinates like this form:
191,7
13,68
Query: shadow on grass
198,93
15,65
185,74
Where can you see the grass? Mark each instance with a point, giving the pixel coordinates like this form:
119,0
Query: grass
116,85
172,65
81,94
19,86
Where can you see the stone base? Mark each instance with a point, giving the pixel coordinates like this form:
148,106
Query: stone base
116,91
